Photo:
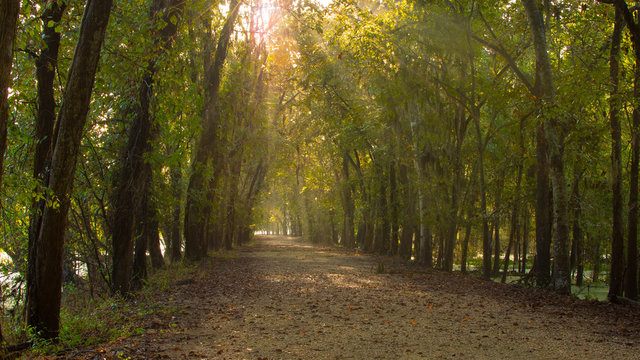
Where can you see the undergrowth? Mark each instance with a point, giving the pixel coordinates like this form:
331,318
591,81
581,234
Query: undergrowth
86,320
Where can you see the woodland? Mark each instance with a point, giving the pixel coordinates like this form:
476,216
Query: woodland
499,139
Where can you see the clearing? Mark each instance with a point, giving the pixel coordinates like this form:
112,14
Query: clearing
283,298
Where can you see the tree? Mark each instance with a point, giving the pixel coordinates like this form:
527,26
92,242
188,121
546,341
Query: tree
44,309
135,173
203,174
561,275
8,19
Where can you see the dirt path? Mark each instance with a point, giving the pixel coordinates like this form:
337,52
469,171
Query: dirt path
285,299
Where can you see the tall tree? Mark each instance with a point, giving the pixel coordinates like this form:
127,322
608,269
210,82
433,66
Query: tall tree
201,183
46,64
617,239
561,274
8,21
44,314
135,174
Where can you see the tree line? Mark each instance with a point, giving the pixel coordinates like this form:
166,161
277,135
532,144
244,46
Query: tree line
471,133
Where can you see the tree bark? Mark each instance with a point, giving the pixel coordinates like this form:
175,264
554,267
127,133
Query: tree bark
394,208
44,314
8,21
617,239
496,226
631,272
408,215
134,174
46,64
200,185
348,207
175,237
561,275
578,235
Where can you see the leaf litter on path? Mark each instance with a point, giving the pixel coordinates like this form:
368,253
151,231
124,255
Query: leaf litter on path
283,298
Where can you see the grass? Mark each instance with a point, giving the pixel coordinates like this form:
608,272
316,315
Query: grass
86,321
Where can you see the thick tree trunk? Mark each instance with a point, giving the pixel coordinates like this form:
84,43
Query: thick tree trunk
46,64
561,275
198,210
631,272
44,314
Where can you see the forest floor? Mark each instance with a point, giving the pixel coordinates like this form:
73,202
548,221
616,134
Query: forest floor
283,298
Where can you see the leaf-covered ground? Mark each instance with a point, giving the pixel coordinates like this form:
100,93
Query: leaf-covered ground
283,298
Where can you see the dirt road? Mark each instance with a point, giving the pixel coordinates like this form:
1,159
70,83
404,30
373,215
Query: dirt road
282,298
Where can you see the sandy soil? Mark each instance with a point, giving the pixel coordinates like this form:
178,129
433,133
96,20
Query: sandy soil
283,298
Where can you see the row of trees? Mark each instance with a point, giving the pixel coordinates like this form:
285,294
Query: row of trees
425,129
127,123
422,129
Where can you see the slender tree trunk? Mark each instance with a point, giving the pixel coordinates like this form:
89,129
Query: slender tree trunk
465,242
197,209
578,236
152,232
348,207
513,232
525,239
408,213
486,235
394,208
617,240
496,228
175,239
44,314
8,21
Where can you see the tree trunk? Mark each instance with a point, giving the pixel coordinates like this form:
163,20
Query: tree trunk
8,21
513,232
348,207
496,229
617,240
486,235
408,216
525,239
465,243
578,236
561,275
201,185
46,64
394,208
175,239
152,232
44,314
631,272
135,171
